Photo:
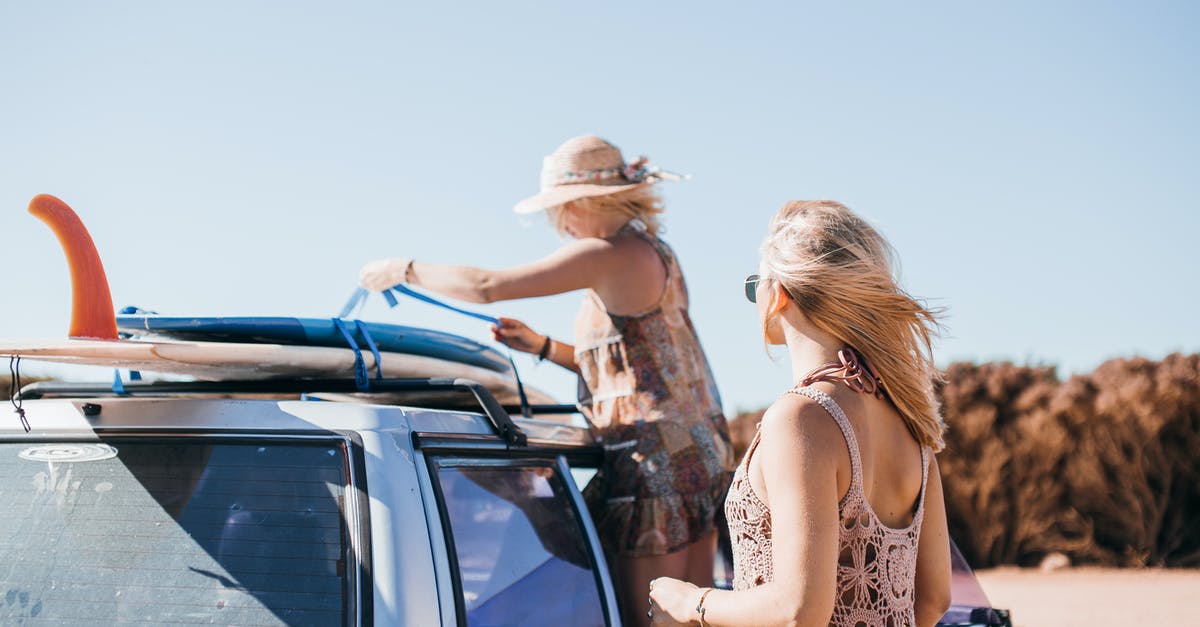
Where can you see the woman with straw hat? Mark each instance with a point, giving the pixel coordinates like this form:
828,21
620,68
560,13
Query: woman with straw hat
649,392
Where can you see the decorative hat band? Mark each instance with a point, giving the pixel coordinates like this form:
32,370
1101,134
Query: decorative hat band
638,171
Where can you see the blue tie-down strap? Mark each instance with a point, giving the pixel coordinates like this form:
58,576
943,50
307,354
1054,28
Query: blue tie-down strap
356,301
118,386
361,380
401,288
366,335
360,294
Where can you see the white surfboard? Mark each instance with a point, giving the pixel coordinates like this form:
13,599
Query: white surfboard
217,361
94,336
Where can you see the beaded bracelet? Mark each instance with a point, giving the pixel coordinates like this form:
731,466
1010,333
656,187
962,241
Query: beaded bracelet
700,609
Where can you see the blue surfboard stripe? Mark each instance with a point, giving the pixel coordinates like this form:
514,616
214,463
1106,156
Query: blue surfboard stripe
393,338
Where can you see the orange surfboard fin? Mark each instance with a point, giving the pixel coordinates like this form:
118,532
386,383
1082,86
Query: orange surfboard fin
92,313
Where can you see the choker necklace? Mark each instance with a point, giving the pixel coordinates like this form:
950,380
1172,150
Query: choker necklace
852,369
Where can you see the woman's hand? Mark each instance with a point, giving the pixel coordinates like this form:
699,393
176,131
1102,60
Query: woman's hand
383,274
515,335
673,602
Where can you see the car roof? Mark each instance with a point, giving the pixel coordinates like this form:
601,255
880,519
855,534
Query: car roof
431,407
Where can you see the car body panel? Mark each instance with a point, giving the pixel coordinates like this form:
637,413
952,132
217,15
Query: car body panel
408,564
398,530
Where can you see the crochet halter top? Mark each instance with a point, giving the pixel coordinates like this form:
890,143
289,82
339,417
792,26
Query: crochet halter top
877,564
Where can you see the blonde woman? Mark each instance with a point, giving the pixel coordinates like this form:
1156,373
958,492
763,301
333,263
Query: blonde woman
651,397
835,512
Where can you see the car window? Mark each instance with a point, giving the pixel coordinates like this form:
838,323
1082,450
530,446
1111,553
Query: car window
193,530
520,545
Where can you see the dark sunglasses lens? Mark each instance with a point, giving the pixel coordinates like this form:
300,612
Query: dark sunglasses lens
752,288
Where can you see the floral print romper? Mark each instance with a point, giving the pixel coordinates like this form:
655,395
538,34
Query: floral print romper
649,394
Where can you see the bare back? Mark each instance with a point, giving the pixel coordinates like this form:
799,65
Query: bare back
877,545
891,456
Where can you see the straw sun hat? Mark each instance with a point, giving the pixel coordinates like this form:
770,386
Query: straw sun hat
589,166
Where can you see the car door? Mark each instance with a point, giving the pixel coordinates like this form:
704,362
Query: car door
519,546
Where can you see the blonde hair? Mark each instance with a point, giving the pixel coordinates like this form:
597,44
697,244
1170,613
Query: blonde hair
839,271
641,202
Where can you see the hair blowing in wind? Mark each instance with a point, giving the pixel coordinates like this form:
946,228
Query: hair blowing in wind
840,271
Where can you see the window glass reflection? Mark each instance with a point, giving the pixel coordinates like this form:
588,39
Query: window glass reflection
159,532
521,551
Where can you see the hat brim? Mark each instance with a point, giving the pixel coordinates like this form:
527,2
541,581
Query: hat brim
562,194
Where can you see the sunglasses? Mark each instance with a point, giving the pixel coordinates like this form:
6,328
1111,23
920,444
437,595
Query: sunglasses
752,288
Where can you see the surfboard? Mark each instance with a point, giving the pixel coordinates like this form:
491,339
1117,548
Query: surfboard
315,332
217,361
241,348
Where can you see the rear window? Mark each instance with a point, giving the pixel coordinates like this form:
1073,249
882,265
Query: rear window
522,556
200,530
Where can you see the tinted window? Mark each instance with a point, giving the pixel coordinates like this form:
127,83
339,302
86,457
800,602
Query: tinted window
161,532
521,551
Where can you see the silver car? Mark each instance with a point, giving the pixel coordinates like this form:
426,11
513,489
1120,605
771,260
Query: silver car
303,503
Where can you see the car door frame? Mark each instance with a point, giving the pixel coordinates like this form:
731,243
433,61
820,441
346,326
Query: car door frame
490,449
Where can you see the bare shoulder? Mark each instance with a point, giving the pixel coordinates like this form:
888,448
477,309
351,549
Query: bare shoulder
633,275
623,250
591,255
588,246
799,423
634,247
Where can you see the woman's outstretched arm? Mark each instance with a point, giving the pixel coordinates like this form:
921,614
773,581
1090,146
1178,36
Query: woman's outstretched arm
579,264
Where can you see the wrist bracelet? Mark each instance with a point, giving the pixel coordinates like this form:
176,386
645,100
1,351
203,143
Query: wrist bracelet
544,352
700,609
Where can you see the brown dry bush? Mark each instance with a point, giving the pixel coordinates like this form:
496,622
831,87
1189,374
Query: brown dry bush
1135,471
1002,454
1104,467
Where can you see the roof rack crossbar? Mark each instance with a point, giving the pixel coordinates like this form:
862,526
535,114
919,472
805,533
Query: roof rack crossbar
543,409
492,409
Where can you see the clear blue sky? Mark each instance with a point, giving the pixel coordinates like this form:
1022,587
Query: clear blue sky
1035,164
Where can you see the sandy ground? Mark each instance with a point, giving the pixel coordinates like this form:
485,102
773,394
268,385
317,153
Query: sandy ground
1095,597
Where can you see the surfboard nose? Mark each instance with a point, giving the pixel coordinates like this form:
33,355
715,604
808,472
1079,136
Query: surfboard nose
92,314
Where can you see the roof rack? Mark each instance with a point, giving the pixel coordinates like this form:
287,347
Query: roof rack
496,413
